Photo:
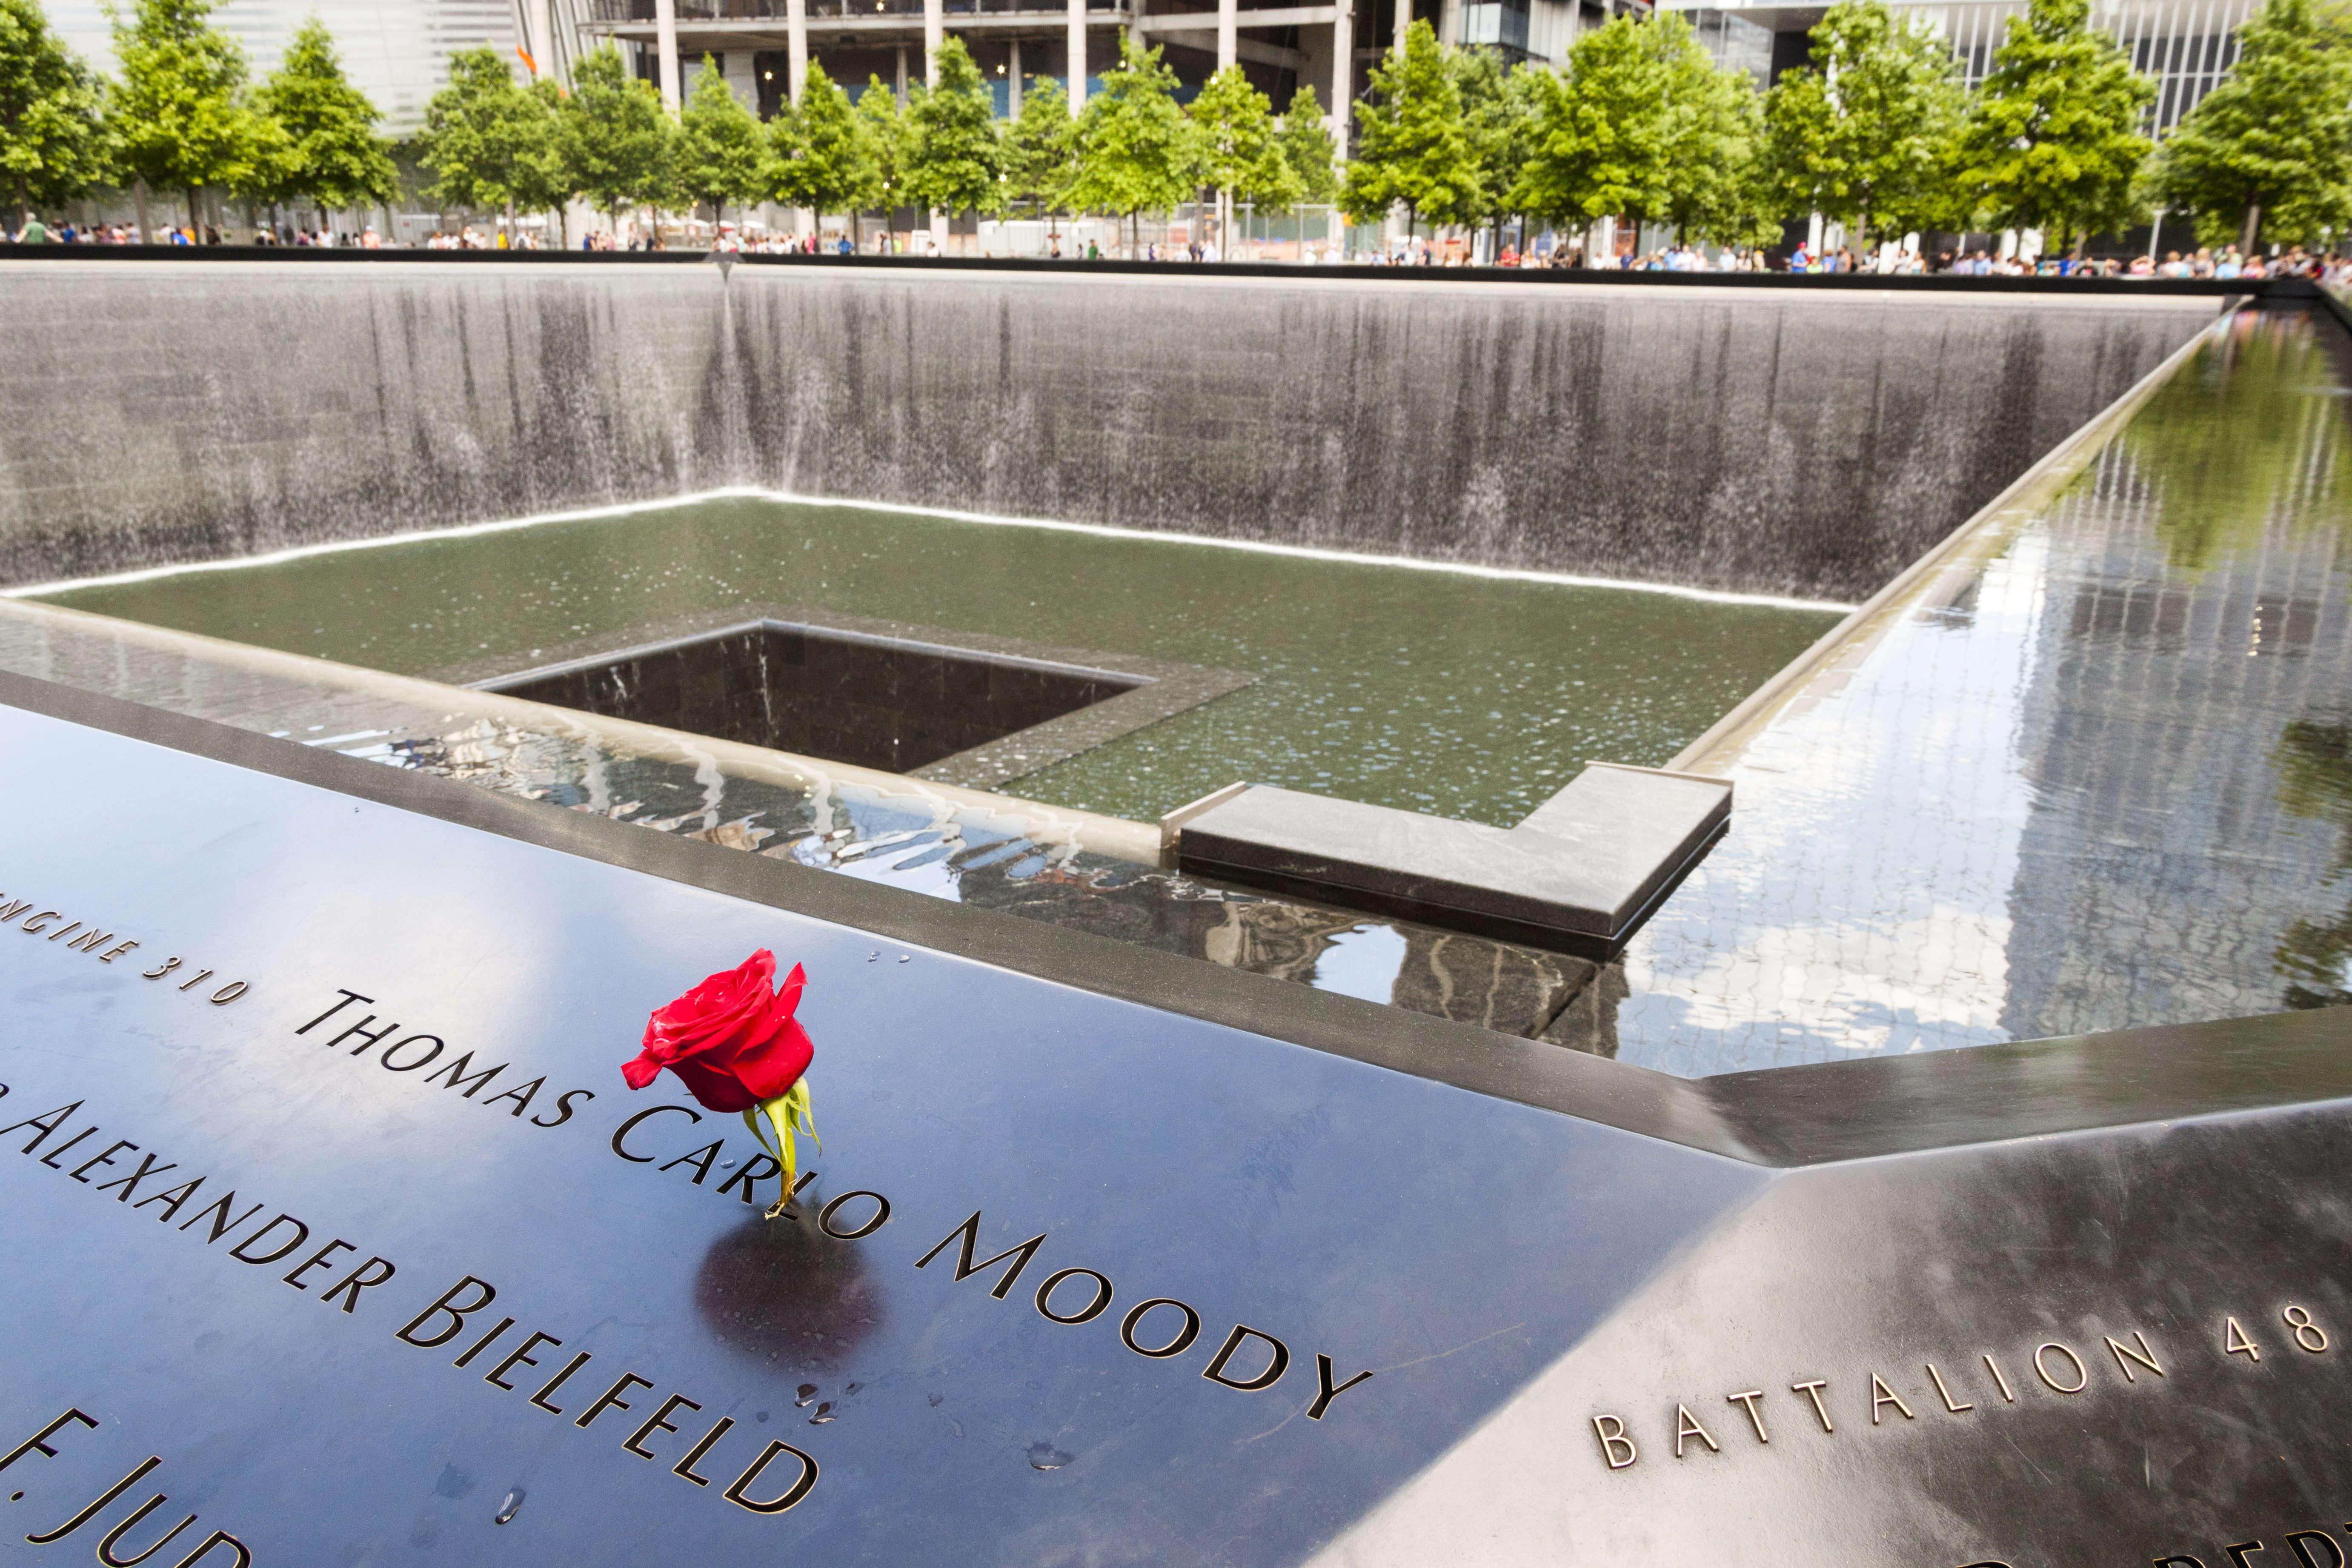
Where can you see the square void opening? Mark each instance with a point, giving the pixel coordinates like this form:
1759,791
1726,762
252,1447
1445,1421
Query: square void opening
848,696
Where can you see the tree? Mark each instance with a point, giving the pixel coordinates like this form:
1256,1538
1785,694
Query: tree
615,135
2051,138
179,114
1413,150
1859,134
823,152
1715,142
886,138
954,152
1239,153
541,180
490,142
329,152
1135,147
1494,107
52,138
722,152
1040,148
1604,131
1308,149
2270,150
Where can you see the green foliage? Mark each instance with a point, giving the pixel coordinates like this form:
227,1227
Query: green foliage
1715,144
1860,135
953,151
885,137
53,144
330,153
490,142
823,151
1499,107
1040,148
2051,138
2313,759
613,135
1136,148
1603,131
722,152
2239,440
1412,148
179,114
1240,152
2269,152
1308,149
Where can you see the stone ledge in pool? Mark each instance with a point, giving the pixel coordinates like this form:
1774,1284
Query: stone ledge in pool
1580,874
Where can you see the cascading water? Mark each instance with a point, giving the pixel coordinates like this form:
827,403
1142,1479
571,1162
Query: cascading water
1785,441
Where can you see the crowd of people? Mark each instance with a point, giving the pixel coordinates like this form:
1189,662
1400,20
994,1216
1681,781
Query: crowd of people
1890,260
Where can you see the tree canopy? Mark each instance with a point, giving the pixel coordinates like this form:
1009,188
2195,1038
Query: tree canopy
2270,150
822,153
179,113
885,137
53,141
1308,147
331,153
490,142
1040,148
953,154
614,134
1136,147
1240,151
2051,138
1412,148
1715,144
1604,131
1860,135
721,154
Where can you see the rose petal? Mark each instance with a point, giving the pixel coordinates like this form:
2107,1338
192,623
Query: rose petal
713,1090
774,1066
641,1069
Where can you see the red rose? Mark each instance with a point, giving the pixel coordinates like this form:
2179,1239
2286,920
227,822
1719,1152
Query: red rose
731,1041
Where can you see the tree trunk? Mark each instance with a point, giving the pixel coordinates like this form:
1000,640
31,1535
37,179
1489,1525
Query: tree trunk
138,205
2254,227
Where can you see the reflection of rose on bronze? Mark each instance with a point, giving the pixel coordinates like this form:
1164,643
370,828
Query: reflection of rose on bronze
788,1296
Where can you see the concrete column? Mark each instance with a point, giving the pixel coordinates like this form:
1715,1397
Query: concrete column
1229,36
542,35
1403,12
666,48
901,82
1343,98
935,37
1343,75
1078,61
1449,24
1012,93
796,47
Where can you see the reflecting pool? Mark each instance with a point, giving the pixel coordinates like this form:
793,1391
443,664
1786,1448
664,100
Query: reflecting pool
1468,696
2092,774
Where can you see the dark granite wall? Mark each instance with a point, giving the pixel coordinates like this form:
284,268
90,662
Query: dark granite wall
1801,443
